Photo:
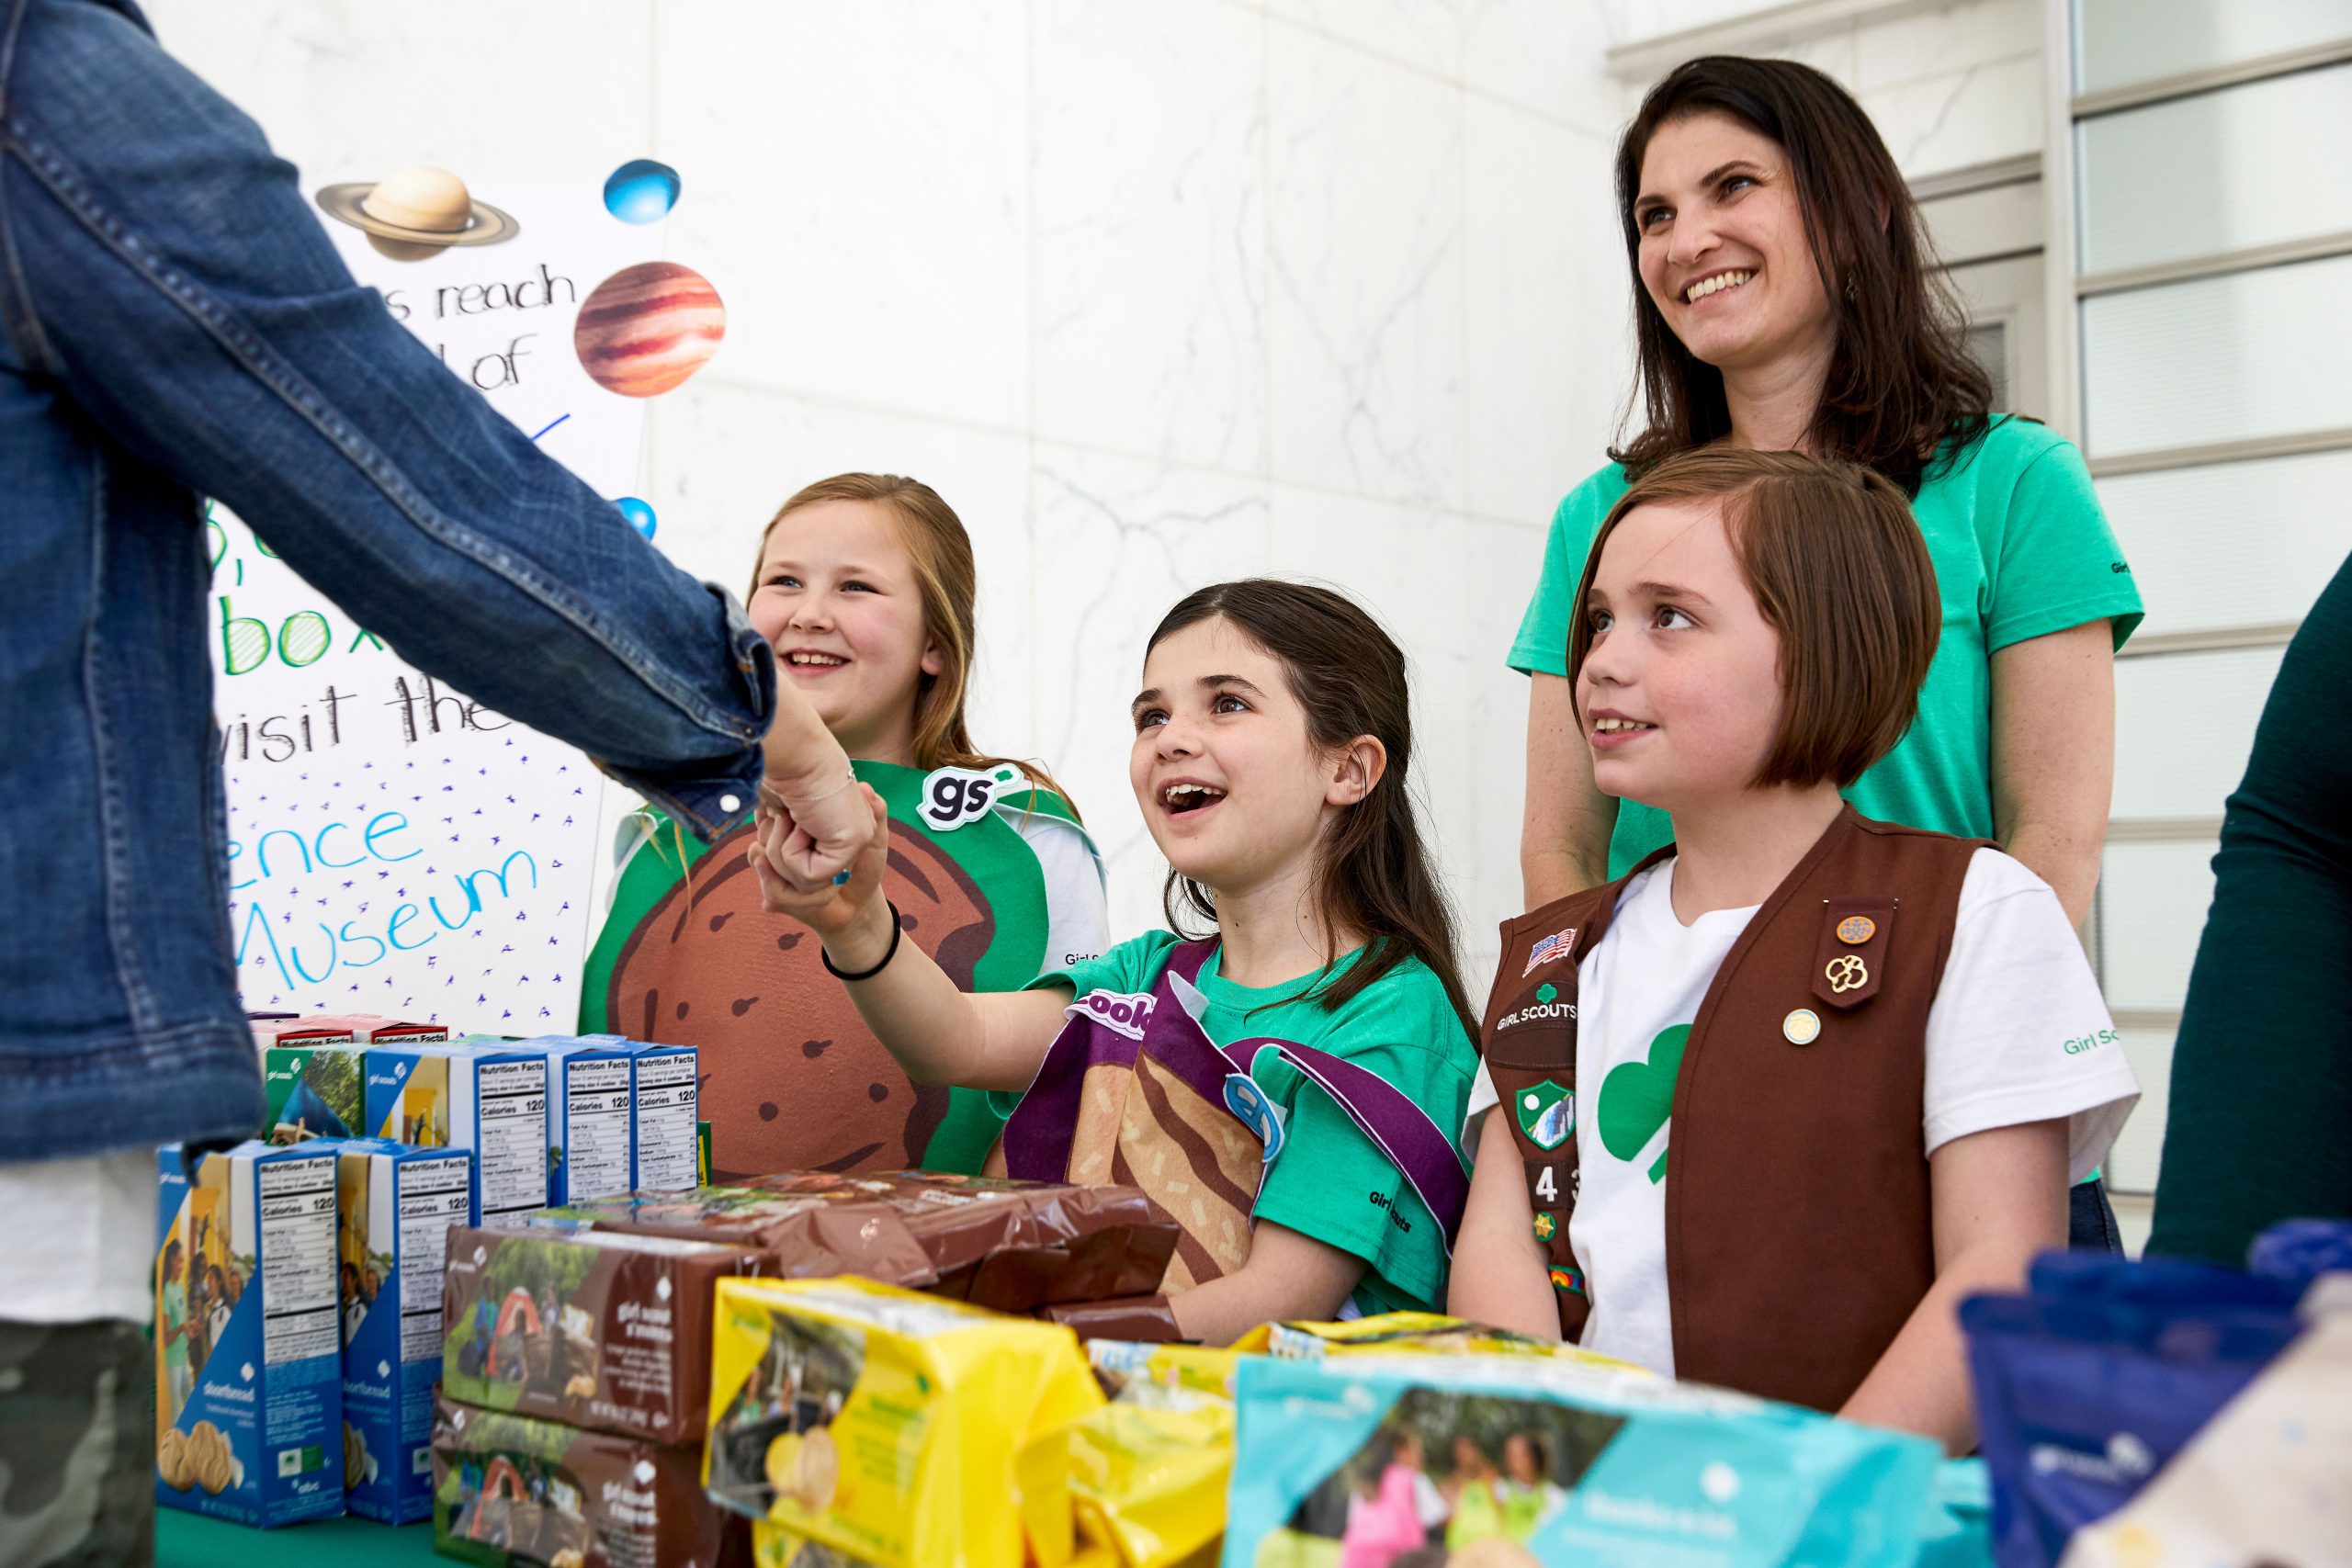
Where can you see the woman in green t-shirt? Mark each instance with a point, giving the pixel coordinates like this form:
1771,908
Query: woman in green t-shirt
1785,299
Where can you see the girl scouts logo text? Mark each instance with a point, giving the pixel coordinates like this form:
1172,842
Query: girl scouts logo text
1122,1015
953,796
1550,947
1546,1005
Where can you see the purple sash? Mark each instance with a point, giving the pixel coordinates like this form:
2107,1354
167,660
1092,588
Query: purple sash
1104,1030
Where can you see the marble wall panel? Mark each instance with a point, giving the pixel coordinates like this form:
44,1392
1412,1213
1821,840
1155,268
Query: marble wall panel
1151,230
1365,309
859,174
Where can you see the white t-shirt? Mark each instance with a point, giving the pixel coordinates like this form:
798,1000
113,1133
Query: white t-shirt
1077,907
79,1235
2018,1032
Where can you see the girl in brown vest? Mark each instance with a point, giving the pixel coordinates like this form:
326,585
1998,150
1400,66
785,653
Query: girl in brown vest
1877,1054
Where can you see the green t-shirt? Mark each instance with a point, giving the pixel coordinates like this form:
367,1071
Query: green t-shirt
1329,1181
2021,549
174,1296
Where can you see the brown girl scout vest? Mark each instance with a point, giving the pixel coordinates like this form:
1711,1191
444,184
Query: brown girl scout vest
1797,1234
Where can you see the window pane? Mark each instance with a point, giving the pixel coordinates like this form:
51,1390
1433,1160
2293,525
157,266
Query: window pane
2218,171
2153,899
2216,696
2132,1164
2230,358
2120,42
1988,344
2232,544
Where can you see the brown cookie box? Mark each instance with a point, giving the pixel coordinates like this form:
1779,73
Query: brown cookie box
805,1237
1012,1246
508,1489
593,1328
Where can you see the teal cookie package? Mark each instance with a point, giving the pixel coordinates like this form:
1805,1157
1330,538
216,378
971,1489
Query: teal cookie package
1574,1465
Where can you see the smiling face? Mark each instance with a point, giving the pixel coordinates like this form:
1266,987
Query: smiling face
1680,694
1723,250
1233,790
839,602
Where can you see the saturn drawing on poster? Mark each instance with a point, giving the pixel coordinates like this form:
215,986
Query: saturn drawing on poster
647,327
417,213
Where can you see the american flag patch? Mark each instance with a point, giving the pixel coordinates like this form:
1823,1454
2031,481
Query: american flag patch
1554,946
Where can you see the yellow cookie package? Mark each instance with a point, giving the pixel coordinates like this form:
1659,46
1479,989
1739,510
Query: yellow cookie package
889,1426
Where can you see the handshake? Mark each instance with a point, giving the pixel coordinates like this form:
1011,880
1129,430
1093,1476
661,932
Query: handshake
819,842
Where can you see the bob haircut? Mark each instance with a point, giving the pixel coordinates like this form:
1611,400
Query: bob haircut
1900,384
1834,559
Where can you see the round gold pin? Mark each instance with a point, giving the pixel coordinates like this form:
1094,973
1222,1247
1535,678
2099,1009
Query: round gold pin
1856,930
1801,1027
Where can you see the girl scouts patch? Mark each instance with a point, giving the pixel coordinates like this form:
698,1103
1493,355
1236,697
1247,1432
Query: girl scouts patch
953,796
1260,1114
1556,945
1547,1115
1568,1280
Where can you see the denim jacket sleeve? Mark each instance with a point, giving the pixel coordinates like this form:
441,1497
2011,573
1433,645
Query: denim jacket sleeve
163,269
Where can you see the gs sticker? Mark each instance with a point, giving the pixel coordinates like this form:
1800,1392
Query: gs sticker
953,796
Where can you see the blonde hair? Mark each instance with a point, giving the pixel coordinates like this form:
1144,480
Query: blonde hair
941,553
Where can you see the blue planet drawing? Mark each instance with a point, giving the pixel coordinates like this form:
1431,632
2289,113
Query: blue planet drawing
641,191
639,515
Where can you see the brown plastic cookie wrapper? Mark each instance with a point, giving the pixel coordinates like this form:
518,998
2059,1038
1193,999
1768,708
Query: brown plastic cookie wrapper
642,1366
1011,1246
807,1237
638,1502
1146,1320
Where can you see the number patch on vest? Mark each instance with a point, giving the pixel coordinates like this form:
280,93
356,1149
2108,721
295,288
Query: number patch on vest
953,796
1551,1184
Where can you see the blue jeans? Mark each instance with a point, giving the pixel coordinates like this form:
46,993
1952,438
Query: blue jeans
177,325
2090,1220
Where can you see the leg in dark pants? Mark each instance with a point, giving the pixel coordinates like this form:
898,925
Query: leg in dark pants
2090,1220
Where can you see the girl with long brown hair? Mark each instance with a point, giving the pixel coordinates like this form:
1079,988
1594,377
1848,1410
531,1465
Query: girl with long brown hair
865,588
1786,298
1287,1086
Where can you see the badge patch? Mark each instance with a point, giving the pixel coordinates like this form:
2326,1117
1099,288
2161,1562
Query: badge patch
1856,930
955,796
1547,1114
1801,1027
1120,1014
1847,974
1260,1114
1547,949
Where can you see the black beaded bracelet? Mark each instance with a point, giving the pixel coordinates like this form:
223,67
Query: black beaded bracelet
898,930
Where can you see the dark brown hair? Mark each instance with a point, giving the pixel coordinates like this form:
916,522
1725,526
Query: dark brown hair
1901,381
941,552
1838,569
1373,875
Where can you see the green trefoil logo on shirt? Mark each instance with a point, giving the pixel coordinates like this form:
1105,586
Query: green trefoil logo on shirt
1637,1097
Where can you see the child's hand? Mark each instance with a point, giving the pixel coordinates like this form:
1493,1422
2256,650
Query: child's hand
824,825
843,913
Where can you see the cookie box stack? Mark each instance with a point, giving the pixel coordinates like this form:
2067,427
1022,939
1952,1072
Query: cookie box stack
575,1376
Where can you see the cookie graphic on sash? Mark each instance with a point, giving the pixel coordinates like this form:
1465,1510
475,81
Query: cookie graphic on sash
792,1079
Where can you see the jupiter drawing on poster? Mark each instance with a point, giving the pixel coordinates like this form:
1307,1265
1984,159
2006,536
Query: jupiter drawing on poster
649,327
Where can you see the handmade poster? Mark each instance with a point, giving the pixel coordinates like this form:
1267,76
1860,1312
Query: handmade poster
394,846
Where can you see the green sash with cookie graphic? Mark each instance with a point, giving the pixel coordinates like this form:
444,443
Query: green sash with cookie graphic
790,1074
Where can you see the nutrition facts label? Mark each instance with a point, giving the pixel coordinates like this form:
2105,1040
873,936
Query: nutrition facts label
666,1107
296,1257
433,1198
511,1137
596,1125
